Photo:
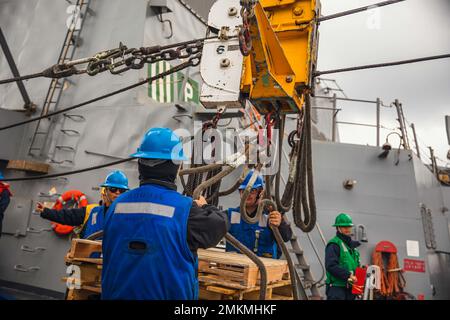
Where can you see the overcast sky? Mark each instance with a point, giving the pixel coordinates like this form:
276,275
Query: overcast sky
410,29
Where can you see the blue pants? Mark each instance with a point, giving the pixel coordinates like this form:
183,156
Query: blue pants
339,293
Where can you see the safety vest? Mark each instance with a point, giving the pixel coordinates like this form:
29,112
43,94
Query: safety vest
93,220
348,260
257,237
145,250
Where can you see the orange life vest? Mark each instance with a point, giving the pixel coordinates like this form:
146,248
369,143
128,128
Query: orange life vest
73,195
3,187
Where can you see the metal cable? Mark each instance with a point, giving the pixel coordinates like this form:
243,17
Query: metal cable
262,268
212,192
322,266
27,77
149,79
285,202
208,183
353,11
292,271
244,197
295,280
304,197
201,169
382,65
62,174
95,236
315,249
236,185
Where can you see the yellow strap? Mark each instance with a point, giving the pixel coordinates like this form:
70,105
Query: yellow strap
89,208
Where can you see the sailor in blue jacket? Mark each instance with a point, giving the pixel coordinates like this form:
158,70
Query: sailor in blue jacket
89,219
5,198
257,237
152,233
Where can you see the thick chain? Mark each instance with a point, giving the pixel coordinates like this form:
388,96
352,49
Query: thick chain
245,39
122,59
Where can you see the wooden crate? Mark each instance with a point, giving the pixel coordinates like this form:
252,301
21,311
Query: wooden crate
82,251
90,274
28,166
280,290
83,294
237,271
90,269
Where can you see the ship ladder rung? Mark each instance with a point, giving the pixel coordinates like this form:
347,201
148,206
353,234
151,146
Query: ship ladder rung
303,267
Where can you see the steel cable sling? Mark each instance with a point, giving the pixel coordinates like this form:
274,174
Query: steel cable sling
295,279
304,197
268,202
285,202
196,178
299,190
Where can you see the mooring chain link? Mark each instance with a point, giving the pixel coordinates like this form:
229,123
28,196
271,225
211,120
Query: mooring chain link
245,39
125,59
122,59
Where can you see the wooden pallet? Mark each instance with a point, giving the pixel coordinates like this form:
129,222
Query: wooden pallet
237,271
82,251
28,166
90,269
280,290
90,274
83,294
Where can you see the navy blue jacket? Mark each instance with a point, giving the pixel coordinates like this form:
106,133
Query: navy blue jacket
4,202
332,253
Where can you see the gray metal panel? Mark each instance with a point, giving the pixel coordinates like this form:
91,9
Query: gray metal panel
440,274
201,6
446,197
10,139
430,194
9,249
35,31
41,250
49,271
17,216
382,187
447,125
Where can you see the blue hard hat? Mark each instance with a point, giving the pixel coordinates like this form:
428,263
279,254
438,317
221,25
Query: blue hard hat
160,143
116,179
259,182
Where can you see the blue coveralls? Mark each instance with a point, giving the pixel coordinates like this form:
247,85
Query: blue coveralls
145,251
257,237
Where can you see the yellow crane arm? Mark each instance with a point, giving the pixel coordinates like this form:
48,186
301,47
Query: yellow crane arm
278,69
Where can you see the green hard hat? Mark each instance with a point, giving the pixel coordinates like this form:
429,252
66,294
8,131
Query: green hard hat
343,220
